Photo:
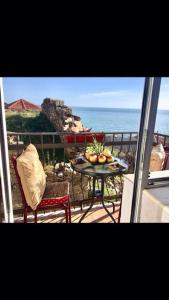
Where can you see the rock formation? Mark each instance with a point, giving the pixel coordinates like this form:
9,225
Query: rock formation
56,112
61,116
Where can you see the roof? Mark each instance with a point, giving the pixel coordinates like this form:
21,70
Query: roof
22,104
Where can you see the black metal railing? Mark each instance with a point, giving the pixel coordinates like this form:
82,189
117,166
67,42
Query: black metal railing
48,143
161,138
54,149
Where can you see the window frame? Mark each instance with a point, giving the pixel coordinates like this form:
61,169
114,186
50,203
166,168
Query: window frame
4,163
145,143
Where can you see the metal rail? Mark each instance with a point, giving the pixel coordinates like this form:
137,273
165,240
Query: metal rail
53,151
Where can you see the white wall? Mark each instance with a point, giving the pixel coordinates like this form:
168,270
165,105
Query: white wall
155,201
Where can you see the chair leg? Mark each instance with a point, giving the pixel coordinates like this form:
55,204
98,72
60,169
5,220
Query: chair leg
35,219
25,214
66,215
69,212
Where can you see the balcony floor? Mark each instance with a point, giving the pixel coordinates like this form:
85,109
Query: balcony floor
96,215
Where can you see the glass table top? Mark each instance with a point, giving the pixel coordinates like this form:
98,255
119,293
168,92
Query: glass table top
117,167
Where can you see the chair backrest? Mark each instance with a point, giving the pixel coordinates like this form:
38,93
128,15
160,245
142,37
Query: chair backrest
13,159
166,160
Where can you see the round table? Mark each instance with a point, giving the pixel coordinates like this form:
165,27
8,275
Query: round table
101,171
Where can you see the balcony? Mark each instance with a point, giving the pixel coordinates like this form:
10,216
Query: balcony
55,152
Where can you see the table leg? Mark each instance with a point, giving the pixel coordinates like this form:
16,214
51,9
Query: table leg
102,200
92,202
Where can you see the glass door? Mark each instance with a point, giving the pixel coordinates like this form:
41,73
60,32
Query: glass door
145,142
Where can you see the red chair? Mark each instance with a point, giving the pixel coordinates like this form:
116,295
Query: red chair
165,160
48,202
82,138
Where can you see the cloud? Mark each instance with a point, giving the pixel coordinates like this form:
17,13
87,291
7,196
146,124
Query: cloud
165,85
107,93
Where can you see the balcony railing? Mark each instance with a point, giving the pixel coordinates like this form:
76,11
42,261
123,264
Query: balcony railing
44,141
54,149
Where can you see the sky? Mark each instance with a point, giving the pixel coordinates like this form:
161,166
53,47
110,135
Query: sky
117,92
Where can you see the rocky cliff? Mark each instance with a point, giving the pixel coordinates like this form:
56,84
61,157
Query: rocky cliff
59,114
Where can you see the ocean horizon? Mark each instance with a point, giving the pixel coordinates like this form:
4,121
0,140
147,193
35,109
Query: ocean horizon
118,119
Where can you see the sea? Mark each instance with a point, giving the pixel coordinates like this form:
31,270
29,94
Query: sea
118,119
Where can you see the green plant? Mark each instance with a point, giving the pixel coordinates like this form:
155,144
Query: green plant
95,147
98,148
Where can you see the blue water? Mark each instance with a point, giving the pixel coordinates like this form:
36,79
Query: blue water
117,119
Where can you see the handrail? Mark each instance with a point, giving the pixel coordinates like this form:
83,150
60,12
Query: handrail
69,133
79,133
